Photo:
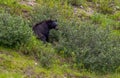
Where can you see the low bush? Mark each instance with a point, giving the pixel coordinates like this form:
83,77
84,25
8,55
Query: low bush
43,13
98,18
14,30
90,46
104,20
77,2
44,53
106,6
14,7
116,16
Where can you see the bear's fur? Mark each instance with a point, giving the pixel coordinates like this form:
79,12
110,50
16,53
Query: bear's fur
43,28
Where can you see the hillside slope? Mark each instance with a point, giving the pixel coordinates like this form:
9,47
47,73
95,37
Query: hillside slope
16,65
71,44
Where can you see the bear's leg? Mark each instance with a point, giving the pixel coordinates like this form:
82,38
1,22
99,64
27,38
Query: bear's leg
43,38
47,38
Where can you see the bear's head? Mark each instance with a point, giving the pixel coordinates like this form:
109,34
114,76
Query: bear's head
52,24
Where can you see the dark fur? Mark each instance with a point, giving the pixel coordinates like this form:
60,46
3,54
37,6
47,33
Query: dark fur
42,29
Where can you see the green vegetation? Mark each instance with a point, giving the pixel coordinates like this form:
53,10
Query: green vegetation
92,47
87,44
14,7
17,65
44,53
13,30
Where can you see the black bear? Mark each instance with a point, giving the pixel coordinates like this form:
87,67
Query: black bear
42,29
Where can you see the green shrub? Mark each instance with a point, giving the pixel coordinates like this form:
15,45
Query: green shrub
43,13
91,46
77,2
106,6
54,36
51,10
105,20
14,7
116,15
44,53
14,30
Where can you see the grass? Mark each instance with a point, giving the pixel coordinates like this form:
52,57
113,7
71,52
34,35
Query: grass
14,7
16,65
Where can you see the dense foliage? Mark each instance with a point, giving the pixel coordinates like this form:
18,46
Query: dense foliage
14,30
44,53
91,46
